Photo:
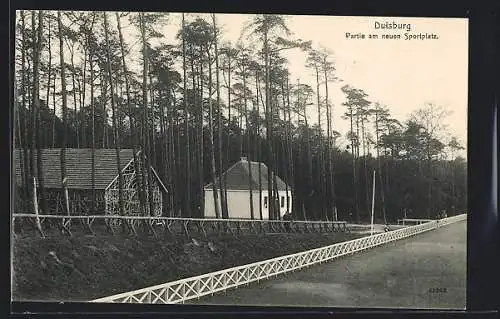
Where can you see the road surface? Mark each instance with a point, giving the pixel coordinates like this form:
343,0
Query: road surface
425,271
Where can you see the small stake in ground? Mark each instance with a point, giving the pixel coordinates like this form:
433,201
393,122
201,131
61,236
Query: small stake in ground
373,201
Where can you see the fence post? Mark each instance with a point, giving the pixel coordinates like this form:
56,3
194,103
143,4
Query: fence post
35,208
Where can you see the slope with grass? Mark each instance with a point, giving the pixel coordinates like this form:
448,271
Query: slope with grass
85,267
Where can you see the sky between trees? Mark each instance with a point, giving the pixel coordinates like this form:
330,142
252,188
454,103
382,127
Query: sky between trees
391,80
401,74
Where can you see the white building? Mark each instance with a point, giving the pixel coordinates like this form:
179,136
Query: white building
238,184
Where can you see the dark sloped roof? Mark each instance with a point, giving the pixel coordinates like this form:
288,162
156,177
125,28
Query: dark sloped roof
78,167
238,176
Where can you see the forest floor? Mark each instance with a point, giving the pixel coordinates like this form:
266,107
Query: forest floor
85,267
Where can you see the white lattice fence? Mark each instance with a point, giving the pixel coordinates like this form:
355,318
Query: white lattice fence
195,287
453,219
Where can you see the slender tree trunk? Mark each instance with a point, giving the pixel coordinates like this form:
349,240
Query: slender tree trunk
212,146
173,153
382,195
309,180
81,105
309,167
291,175
17,141
331,173
259,142
163,141
49,62
133,128
82,90
92,105
91,65
229,129
169,149
37,106
225,213
249,139
240,127
54,116
453,187
430,205
77,124
354,177
179,176
186,123
146,158
198,128
301,196
284,145
270,166
33,108
387,164
365,158
64,115
275,117
197,137
115,115
300,177
358,169
17,144
321,170
201,152
104,94
152,134
28,171
329,146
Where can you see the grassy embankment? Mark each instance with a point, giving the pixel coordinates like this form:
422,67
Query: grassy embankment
85,267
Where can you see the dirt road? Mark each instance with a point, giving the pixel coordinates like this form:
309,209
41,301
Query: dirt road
425,271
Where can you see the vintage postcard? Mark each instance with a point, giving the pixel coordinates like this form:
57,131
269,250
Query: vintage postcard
240,159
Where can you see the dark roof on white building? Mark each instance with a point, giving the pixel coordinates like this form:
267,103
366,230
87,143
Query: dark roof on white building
238,176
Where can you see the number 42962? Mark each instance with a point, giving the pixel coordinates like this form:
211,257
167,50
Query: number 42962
437,290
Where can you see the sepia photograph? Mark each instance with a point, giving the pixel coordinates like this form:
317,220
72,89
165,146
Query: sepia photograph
239,159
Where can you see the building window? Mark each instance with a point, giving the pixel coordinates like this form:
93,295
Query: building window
282,201
265,201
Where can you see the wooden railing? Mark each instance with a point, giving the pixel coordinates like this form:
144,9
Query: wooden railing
414,221
182,290
179,226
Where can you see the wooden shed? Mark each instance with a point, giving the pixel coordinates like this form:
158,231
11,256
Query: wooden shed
239,182
79,182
